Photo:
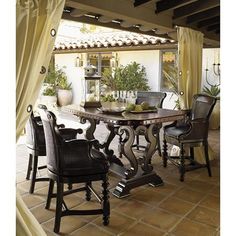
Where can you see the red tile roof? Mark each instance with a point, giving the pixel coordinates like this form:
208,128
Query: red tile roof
109,39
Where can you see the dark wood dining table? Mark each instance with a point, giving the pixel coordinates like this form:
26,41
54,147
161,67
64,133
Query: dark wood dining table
138,171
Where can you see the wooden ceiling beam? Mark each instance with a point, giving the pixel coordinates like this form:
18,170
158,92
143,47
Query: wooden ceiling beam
213,27
203,15
165,5
195,7
209,22
140,2
124,10
94,21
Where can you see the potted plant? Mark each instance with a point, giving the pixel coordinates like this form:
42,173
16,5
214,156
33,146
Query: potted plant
48,96
214,90
64,89
48,90
131,77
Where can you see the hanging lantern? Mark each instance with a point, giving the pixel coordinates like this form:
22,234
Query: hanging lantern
91,87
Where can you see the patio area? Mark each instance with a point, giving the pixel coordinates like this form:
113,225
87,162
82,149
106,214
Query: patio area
177,53
184,208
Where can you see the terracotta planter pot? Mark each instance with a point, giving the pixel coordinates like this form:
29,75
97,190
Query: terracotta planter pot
64,97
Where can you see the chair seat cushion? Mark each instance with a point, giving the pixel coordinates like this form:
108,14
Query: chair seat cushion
78,164
91,169
176,131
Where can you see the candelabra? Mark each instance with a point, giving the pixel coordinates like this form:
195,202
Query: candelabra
216,70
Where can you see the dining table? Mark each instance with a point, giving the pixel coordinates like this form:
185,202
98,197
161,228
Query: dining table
136,170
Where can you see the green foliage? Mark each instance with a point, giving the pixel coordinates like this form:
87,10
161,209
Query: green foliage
49,91
129,77
86,28
170,72
51,76
63,83
108,98
57,77
214,90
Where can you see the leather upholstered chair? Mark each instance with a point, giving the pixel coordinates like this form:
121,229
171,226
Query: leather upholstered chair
36,146
73,161
154,99
190,133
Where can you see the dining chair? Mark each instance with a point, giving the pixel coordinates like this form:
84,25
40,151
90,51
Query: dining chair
36,147
190,133
73,161
155,99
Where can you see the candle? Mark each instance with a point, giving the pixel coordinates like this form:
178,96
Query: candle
207,63
214,57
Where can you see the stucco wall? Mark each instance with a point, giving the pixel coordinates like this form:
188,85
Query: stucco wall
74,74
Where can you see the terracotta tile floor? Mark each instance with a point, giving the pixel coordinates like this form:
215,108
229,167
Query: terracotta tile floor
181,209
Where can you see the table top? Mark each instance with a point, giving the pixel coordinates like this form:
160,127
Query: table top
125,118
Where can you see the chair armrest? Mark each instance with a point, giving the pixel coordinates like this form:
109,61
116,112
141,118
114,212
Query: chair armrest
198,120
187,112
198,129
75,145
69,133
170,125
61,126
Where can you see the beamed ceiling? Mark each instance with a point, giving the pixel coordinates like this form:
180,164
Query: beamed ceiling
152,17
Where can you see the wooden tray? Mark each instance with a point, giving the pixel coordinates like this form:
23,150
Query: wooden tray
144,111
111,111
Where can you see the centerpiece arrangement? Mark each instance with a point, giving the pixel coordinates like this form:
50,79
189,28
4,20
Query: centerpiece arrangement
119,88
144,107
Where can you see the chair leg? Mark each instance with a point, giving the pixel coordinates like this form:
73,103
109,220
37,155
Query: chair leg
120,140
158,142
29,166
137,141
105,202
182,163
207,159
58,207
34,172
192,156
164,154
50,192
88,191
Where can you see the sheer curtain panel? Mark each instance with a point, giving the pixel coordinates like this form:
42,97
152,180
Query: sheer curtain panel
190,44
36,26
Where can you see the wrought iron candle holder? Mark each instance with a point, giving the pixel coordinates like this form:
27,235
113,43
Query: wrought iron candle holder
216,70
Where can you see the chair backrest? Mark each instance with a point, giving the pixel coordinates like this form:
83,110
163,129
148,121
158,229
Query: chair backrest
61,155
34,132
153,98
53,140
202,106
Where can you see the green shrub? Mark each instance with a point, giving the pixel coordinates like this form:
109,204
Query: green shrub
57,77
62,83
129,77
49,91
